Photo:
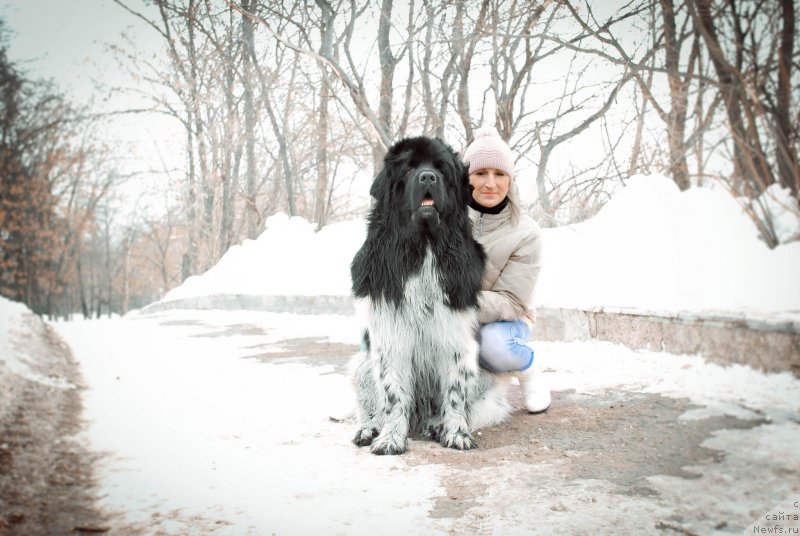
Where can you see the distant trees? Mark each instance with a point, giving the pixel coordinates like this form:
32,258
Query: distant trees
51,181
285,104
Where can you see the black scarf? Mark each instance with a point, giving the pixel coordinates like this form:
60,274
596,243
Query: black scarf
497,209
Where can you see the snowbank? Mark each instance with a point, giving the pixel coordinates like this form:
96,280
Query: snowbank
24,352
289,258
652,247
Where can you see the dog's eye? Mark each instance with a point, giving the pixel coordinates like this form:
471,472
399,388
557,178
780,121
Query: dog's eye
408,171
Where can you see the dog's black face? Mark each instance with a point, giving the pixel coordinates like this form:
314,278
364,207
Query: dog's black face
421,197
426,179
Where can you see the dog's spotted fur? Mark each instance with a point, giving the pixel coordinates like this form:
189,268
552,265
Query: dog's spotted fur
417,279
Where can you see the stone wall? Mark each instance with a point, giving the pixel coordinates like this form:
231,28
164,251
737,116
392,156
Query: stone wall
771,346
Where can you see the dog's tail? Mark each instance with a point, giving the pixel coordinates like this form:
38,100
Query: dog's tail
491,406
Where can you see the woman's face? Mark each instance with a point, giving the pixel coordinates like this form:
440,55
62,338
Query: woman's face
490,186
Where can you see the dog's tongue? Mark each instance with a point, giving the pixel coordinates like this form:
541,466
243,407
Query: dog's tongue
427,202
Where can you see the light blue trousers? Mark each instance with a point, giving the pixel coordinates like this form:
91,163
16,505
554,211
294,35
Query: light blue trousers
503,347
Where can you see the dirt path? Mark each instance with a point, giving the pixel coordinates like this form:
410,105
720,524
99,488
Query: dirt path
631,442
46,484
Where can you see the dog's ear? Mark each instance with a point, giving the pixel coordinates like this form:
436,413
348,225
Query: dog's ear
380,184
470,189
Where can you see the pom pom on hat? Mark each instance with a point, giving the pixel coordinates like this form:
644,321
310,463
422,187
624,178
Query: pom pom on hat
488,150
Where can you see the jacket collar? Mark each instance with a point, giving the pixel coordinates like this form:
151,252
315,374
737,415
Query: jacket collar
486,223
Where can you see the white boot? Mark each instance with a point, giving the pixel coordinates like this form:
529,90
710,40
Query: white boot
535,390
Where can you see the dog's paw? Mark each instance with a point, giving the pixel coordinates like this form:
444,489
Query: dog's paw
389,445
433,431
365,436
458,440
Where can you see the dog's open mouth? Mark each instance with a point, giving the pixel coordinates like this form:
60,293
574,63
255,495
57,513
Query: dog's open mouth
427,201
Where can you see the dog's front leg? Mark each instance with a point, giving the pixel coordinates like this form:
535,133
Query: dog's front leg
395,385
457,387
368,406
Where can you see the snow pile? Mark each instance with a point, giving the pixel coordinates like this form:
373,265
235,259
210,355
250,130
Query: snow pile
289,258
24,352
654,247
651,248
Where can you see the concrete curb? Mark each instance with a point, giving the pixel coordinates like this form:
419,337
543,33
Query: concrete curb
304,305
771,345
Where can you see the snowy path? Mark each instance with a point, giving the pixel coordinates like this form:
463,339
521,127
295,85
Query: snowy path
219,421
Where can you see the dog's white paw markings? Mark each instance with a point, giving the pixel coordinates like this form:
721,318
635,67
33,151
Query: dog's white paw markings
389,445
365,436
458,440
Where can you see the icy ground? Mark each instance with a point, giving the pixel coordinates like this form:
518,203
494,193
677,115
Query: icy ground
220,421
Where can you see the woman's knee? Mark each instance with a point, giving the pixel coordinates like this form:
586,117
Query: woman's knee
503,347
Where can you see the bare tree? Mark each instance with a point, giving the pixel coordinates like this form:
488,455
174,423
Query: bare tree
757,106
749,160
786,130
248,57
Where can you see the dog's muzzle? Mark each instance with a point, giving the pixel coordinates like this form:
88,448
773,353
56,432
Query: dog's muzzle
425,193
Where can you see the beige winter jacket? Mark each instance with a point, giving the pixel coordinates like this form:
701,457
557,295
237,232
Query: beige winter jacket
513,251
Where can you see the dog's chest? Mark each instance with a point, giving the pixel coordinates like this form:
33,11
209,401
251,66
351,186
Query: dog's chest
423,291
423,324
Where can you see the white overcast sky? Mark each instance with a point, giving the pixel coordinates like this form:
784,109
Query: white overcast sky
65,39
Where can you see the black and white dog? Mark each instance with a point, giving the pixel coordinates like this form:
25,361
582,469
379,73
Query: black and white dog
416,280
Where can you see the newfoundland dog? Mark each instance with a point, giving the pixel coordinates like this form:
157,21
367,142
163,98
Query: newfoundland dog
416,281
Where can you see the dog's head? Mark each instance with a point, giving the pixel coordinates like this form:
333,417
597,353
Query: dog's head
423,182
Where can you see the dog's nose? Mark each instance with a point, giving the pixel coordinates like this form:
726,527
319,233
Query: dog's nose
427,177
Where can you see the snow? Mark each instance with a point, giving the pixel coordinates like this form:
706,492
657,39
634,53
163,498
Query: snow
651,248
211,421
287,259
21,347
196,423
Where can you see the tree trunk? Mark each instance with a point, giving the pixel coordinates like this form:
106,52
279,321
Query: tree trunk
82,293
204,181
678,92
227,177
541,187
126,291
320,196
633,165
699,147
326,50
749,159
189,265
387,62
786,154
248,53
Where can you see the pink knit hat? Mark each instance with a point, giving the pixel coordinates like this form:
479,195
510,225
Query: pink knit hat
488,150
